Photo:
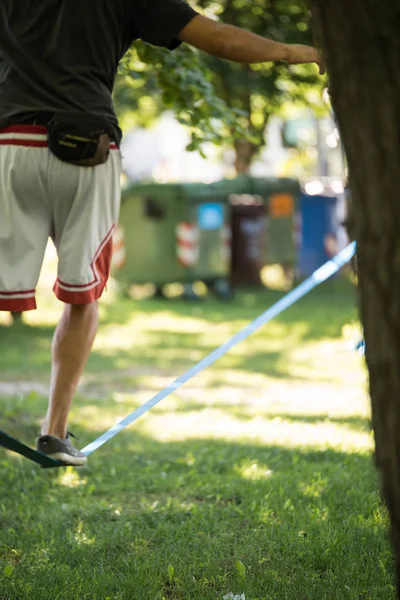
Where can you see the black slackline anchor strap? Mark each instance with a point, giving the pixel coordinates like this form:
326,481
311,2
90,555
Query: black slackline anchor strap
38,457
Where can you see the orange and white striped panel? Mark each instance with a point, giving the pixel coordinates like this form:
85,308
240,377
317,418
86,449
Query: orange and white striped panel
119,252
187,244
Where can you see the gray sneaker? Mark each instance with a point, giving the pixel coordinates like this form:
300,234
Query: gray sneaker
61,449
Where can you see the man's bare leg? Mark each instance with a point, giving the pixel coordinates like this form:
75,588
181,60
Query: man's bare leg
72,343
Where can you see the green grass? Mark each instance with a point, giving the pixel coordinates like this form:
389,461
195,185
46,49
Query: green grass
256,478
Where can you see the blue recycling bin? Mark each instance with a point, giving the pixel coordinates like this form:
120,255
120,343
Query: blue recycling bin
319,232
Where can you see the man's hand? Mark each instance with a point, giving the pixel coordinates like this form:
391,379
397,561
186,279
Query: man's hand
239,45
299,54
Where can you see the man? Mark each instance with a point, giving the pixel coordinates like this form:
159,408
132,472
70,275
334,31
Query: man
59,161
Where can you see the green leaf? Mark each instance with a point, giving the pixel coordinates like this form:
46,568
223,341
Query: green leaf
171,573
8,570
241,569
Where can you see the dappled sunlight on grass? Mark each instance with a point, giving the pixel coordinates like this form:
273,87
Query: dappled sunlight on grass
314,488
82,538
48,313
300,416
116,337
70,477
327,360
216,424
168,321
167,338
254,471
95,417
141,340
5,319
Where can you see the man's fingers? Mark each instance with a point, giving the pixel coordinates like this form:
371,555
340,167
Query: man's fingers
300,54
320,62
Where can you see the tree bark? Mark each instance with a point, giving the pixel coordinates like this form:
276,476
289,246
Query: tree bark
361,42
244,153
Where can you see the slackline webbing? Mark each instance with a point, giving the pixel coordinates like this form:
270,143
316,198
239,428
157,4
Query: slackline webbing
319,276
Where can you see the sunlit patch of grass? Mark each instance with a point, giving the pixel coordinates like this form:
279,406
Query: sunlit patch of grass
6,319
102,414
314,488
327,360
69,477
254,471
81,538
217,424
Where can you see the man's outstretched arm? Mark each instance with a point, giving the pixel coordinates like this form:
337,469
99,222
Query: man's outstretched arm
239,45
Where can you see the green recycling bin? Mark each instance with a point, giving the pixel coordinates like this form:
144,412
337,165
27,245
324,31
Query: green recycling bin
282,200
281,197
172,233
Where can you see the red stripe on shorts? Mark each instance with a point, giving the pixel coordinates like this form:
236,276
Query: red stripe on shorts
17,304
100,266
30,130
28,143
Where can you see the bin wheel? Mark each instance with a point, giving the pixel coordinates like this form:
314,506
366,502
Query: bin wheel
223,290
159,293
291,275
189,294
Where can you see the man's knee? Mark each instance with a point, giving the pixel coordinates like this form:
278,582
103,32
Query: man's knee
83,307
81,311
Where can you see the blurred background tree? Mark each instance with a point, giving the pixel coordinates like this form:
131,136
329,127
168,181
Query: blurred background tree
223,102
153,80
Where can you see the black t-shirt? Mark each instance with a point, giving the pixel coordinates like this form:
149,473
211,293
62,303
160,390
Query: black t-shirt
63,55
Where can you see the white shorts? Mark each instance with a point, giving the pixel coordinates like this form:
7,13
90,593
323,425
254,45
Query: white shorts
42,197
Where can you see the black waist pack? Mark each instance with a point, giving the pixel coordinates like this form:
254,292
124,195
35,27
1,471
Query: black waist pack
80,139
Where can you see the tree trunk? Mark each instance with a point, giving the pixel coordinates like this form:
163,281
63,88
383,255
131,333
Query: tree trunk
245,152
361,42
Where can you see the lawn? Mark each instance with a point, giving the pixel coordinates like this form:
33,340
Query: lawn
255,480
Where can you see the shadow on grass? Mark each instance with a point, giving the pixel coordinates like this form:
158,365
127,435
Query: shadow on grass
336,300
356,423
292,517
321,315
170,354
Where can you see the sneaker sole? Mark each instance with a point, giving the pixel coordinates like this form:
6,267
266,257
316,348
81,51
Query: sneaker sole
67,459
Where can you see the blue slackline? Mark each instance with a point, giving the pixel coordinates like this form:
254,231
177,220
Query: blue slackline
320,275
360,347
